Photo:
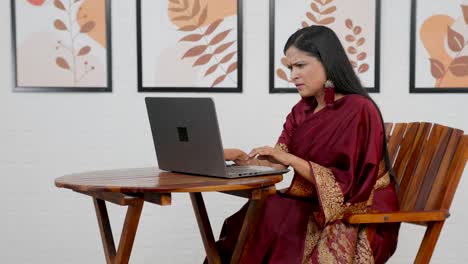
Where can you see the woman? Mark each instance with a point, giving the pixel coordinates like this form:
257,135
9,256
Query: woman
334,140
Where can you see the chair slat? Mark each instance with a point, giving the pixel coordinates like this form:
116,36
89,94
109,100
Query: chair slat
406,172
395,139
388,130
405,150
443,179
440,148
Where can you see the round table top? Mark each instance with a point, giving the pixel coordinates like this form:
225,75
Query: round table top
151,179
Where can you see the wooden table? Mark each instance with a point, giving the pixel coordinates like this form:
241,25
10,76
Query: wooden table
132,187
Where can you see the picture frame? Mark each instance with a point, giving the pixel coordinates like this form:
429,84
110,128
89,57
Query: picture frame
356,27
200,49
439,47
62,45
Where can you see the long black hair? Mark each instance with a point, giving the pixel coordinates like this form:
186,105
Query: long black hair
322,43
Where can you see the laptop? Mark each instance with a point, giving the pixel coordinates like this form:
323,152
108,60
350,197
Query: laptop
187,139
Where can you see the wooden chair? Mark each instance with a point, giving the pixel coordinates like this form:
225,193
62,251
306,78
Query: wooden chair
428,160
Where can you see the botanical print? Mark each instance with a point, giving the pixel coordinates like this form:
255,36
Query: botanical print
441,45
354,25
61,43
189,44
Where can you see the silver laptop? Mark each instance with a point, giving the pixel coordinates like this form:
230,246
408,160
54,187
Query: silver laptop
186,138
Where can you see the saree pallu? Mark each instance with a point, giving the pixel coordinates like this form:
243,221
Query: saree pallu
304,223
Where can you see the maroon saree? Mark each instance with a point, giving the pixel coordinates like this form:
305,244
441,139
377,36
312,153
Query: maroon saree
303,224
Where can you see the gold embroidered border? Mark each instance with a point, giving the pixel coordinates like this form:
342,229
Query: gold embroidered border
331,196
363,254
311,239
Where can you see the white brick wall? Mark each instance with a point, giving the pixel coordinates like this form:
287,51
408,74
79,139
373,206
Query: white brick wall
43,136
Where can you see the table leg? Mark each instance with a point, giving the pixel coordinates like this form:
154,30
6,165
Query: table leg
128,232
205,228
256,203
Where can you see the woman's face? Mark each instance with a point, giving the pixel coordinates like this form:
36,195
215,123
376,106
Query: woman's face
307,72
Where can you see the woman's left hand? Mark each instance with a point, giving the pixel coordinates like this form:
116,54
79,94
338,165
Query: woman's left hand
271,154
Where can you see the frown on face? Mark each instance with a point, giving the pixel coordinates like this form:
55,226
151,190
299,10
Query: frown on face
307,72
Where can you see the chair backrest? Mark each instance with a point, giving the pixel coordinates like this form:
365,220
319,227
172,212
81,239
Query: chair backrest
428,160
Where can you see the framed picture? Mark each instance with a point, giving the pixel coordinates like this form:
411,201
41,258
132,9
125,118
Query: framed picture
439,46
356,25
62,45
189,45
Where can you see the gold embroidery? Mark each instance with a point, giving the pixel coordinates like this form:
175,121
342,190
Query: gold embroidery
363,254
383,181
331,195
282,147
311,239
300,187
337,243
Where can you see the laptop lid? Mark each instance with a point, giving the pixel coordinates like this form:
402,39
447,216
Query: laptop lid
186,135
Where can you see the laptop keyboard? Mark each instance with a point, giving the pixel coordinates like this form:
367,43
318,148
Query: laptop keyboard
247,170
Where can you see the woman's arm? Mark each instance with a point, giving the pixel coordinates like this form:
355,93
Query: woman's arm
241,158
281,159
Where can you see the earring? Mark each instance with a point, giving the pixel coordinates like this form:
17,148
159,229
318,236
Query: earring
329,93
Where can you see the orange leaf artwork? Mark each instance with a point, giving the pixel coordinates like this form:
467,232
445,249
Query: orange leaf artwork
219,37
456,41
465,13
281,74
87,27
58,24
213,26
211,69
326,21
192,37
223,47
84,50
437,68
459,66
59,4
218,80
203,16
62,63
204,59
195,51
228,57
363,68
349,23
232,67
329,10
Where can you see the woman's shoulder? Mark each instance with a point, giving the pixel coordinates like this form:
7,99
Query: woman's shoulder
360,103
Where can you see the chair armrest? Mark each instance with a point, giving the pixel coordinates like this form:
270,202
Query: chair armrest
394,217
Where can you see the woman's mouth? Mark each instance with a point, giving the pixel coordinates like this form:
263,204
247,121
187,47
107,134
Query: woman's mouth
299,86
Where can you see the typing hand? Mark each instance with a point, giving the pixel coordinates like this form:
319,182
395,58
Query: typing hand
236,155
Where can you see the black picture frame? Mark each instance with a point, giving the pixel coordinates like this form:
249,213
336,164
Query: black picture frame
272,66
437,65
237,88
32,87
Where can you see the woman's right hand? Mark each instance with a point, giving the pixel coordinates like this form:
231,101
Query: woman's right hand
236,155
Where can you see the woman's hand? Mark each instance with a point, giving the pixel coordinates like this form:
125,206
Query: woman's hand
272,155
236,155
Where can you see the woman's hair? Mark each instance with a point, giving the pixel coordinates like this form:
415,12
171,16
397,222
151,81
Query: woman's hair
322,43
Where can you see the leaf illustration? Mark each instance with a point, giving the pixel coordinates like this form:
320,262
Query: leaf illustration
311,17
326,21
196,8
203,15
459,66
213,26
360,41
326,2
211,69
353,63
204,59
357,30
174,1
352,50
284,61
329,10
58,4
87,27
62,63
223,47
304,24
319,1
361,56
84,50
456,41
232,67
282,75
465,12
437,68
182,18
195,51
363,68
218,80
58,24
227,57
349,23
315,7
350,38
219,37
191,37
188,28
